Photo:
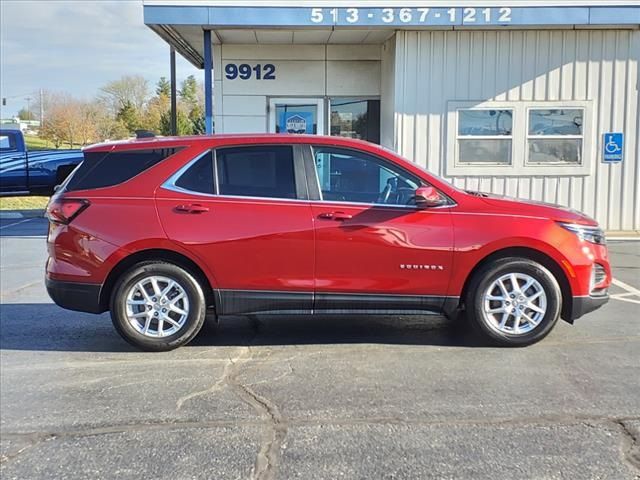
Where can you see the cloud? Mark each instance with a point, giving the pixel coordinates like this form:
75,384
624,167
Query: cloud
76,46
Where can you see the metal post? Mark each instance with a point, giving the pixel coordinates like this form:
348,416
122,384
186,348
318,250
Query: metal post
208,83
174,108
41,108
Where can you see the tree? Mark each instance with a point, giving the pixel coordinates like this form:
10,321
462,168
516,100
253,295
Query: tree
24,114
128,115
189,91
130,89
183,124
69,121
106,126
163,88
196,116
156,107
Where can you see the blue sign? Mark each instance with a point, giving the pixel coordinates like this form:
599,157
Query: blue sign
392,16
612,147
296,122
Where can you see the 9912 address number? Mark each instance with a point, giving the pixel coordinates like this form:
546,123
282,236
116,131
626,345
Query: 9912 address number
245,71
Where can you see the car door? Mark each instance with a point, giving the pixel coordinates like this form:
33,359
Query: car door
244,212
374,248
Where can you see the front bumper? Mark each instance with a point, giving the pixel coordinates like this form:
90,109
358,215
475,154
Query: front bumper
81,297
583,305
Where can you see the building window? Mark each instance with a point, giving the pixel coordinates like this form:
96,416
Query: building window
484,136
504,138
555,136
355,118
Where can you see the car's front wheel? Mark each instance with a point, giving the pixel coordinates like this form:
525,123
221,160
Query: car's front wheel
513,301
158,306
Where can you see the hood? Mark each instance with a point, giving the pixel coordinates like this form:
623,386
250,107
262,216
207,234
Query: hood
499,203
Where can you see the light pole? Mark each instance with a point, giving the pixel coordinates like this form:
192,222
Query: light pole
28,99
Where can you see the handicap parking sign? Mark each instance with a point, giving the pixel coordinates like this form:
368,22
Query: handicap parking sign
612,147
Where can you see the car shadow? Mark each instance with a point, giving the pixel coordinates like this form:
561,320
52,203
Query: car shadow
46,327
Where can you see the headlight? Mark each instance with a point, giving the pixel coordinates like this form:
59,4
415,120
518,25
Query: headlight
586,233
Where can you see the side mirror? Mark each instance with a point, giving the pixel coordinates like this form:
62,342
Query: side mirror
429,197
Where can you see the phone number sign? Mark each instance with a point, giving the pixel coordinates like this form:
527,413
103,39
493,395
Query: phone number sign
396,17
410,16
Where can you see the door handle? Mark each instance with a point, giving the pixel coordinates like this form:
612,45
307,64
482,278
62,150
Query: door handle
193,208
338,216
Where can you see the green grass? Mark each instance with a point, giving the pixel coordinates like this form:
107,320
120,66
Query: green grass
23,203
36,143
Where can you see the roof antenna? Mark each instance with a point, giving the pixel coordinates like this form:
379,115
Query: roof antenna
145,134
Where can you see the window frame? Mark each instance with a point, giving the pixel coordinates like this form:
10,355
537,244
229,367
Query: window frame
302,194
172,182
483,137
362,98
317,189
529,137
520,166
11,135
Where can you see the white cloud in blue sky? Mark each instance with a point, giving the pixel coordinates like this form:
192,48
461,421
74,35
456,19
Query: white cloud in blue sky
76,46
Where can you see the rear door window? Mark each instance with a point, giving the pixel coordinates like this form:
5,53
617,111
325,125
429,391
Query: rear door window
105,169
260,171
199,178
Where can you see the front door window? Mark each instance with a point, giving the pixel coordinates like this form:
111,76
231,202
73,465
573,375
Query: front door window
356,177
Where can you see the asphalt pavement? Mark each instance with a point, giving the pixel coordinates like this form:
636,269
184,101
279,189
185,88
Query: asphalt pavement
312,398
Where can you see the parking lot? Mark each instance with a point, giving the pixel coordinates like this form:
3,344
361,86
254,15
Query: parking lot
270,397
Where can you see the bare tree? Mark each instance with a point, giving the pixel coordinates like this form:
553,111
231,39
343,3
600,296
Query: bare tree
130,89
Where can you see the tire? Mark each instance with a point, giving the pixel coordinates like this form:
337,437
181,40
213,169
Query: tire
171,320
487,313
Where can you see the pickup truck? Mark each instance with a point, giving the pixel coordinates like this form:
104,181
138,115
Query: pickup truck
32,173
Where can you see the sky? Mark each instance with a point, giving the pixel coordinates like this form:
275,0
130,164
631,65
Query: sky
76,46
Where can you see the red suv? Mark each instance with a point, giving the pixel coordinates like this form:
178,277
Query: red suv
165,232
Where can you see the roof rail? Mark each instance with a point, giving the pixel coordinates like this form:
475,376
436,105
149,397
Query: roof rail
145,134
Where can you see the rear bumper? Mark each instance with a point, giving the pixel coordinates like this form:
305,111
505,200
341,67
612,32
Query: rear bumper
582,305
81,297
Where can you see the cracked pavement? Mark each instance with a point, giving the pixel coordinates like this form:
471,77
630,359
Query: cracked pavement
312,398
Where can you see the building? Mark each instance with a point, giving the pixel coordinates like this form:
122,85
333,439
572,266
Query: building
535,99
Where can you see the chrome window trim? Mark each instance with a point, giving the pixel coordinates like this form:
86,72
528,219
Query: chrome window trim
170,184
452,203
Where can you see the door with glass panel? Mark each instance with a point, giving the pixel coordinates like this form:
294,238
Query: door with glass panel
297,116
370,235
238,210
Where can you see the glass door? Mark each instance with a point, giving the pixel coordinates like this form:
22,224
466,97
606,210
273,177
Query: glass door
297,116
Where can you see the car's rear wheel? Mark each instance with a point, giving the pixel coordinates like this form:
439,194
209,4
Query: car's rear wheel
513,301
158,306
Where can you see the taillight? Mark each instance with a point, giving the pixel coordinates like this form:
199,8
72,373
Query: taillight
63,210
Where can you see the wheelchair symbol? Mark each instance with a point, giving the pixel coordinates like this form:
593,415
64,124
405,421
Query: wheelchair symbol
611,146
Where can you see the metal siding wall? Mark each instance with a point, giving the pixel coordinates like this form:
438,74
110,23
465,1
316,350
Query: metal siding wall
434,67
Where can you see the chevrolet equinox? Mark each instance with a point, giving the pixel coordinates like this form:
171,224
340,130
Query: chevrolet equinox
165,232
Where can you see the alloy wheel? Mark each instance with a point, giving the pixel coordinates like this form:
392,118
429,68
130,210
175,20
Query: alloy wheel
157,306
514,303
